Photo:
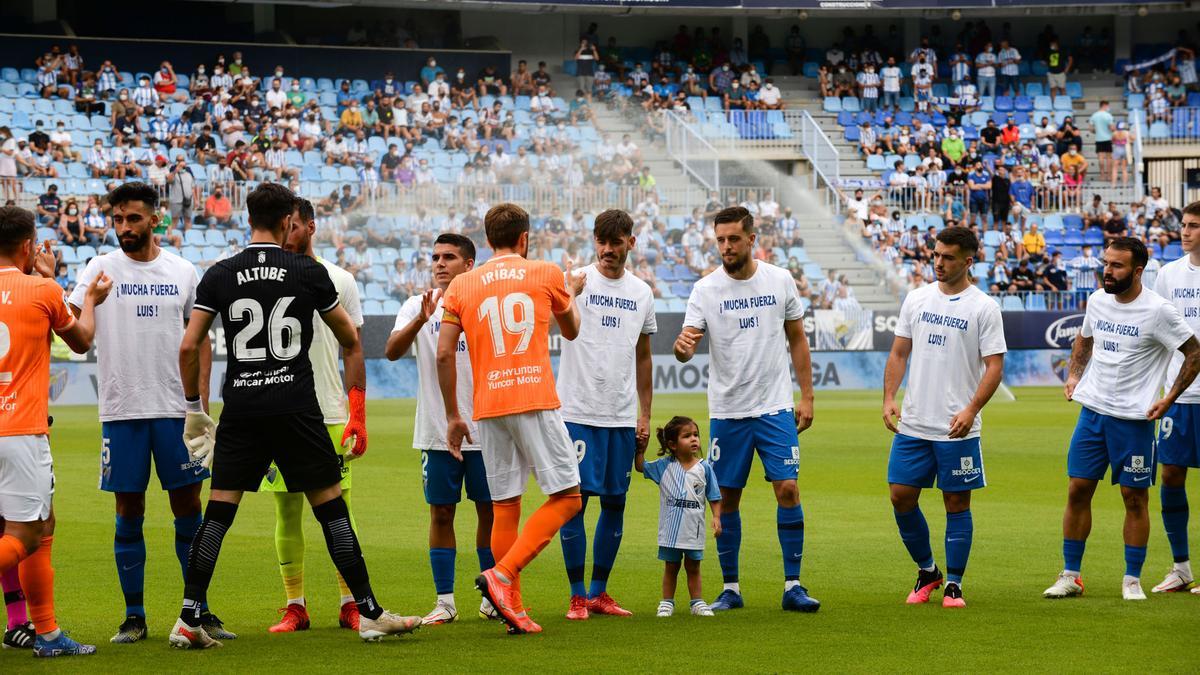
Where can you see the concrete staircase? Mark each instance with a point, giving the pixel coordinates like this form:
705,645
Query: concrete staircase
824,240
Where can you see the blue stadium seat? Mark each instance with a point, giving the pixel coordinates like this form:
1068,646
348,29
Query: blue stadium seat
1041,102
1012,303
1074,90
1063,103
1160,131
1035,302
1004,104
1137,101
1072,221
1033,89
831,104
1023,104
876,162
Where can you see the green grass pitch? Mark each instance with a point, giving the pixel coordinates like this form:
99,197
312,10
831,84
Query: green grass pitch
854,563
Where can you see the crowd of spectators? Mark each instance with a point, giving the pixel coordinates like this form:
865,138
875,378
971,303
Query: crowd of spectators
1020,255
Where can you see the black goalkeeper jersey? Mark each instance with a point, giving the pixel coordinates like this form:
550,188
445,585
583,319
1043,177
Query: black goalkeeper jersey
266,297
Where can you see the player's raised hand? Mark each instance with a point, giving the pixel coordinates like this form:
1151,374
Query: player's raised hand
1159,409
44,261
685,345
891,416
575,281
960,424
100,288
456,431
429,301
804,415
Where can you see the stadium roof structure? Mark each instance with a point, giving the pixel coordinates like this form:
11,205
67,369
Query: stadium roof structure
609,6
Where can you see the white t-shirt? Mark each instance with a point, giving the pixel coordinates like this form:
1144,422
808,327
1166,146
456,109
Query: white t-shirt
769,95
891,78
429,432
1133,345
1179,283
597,374
859,207
138,332
951,335
749,368
324,350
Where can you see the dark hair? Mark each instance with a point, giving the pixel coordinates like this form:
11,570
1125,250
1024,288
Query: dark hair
465,246
961,237
269,204
16,227
735,214
612,224
1192,209
1135,247
504,225
305,209
670,433
134,192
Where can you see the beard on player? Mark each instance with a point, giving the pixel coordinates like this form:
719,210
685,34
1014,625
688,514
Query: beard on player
735,261
1114,285
132,242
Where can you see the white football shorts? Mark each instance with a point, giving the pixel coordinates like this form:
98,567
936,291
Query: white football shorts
537,441
26,478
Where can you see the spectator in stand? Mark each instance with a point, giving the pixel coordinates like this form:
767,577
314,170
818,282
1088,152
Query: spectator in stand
960,66
868,141
1086,271
522,80
1101,122
351,119
844,81
989,138
1010,135
107,79
985,69
795,47
491,82
49,206
541,78
1009,59
1176,92
1034,243
156,174
145,97
923,73
1059,62
868,88
1074,160
891,76
48,71
979,185
1053,275
430,71
167,84
1022,190
586,58
86,97
736,97
72,65
1025,278
218,210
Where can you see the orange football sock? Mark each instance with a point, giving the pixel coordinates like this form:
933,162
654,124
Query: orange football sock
506,521
37,580
12,551
539,530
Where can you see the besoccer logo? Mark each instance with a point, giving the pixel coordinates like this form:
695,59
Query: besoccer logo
262,257
795,460
1137,464
966,467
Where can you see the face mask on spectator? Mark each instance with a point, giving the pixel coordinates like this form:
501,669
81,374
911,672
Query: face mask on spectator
217,71
124,97
238,61
725,67
279,73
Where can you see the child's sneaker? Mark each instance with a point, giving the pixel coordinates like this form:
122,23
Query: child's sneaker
701,608
665,608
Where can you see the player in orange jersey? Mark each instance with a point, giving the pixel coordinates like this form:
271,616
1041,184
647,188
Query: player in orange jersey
31,306
504,308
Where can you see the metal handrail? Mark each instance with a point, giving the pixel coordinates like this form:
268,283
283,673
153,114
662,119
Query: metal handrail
685,143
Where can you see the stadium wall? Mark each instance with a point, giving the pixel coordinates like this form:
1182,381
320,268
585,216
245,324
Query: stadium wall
368,63
1039,343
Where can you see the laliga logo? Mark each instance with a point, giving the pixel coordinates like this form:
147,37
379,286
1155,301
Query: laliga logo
1062,333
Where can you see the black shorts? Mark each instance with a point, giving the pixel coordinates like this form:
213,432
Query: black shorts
1104,146
298,443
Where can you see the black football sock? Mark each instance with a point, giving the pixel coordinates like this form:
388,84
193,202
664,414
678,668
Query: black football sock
346,554
202,558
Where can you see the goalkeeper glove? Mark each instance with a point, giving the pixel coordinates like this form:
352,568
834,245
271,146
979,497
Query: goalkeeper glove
199,435
354,438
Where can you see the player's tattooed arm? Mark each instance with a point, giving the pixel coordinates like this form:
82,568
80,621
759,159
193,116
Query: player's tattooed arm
1081,354
802,362
893,375
1187,374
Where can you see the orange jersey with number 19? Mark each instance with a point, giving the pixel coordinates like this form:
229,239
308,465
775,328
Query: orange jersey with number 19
504,307
30,307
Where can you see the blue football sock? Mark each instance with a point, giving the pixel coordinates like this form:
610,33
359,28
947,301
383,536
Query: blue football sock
574,545
185,531
1073,554
729,544
1175,521
606,542
129,549
1135,557
486,560
959,531
441,560
789,523
914,532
